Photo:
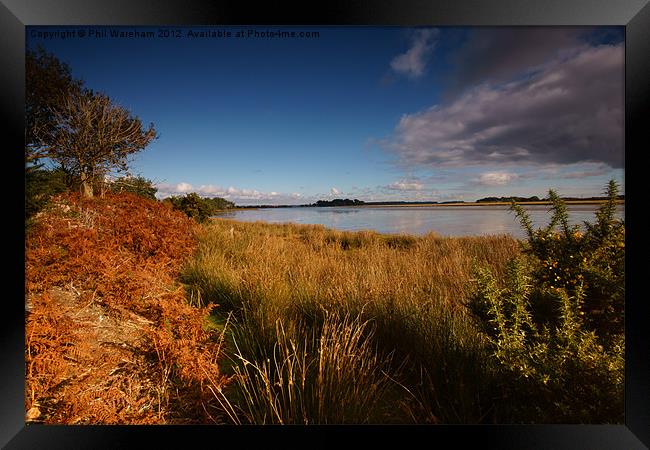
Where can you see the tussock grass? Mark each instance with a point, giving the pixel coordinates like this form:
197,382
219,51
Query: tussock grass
312,376
397,300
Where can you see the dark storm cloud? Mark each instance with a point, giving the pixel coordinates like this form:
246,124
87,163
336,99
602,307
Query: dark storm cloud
496,55
568,109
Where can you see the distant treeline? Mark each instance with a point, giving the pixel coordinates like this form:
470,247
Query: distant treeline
429,202
348,202
534,198
335,202
268,206
356,202
339,202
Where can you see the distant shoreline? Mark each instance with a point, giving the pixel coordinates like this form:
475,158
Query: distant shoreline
568,202
419,205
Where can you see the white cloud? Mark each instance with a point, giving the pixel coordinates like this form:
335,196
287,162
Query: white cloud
496,178
237,195
334,191
210,190
183,187
404,185
412,63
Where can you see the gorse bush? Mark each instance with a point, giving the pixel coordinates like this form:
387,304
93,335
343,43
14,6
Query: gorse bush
556,325
593,261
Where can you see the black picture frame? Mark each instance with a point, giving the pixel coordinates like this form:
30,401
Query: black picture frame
634,15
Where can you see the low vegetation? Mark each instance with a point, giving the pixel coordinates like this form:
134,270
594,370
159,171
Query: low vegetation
40,186
288,286
110,337
197,207
137,185
442,330
138,314
556,325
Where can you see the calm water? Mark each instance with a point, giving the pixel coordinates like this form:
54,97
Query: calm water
446,221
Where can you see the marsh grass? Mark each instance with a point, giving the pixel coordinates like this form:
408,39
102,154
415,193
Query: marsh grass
303,266
325,375
304,298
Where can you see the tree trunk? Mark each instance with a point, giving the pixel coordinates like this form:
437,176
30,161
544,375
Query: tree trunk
86,185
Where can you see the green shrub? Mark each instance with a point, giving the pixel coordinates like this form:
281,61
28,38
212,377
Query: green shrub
193,206
40,186
556,327
135,185
595,261
197,207
219,203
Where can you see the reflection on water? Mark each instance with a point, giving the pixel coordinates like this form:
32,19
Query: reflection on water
337,210
419,220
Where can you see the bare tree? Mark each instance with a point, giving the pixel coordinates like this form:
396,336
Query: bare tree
48,82
92,136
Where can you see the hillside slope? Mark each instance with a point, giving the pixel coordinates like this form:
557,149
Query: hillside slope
110,337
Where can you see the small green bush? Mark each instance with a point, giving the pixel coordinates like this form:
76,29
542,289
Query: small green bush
219,203
135,185
197,207
193,206
556,327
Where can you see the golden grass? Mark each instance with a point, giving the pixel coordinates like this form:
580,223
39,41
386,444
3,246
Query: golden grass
408,290
291,264
331,376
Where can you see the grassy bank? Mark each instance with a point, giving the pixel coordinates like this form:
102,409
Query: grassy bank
327,326
137,314
378,316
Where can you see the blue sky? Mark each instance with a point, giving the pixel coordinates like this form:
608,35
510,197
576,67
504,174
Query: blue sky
371,113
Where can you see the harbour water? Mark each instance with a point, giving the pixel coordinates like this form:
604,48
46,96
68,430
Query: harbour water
417,220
